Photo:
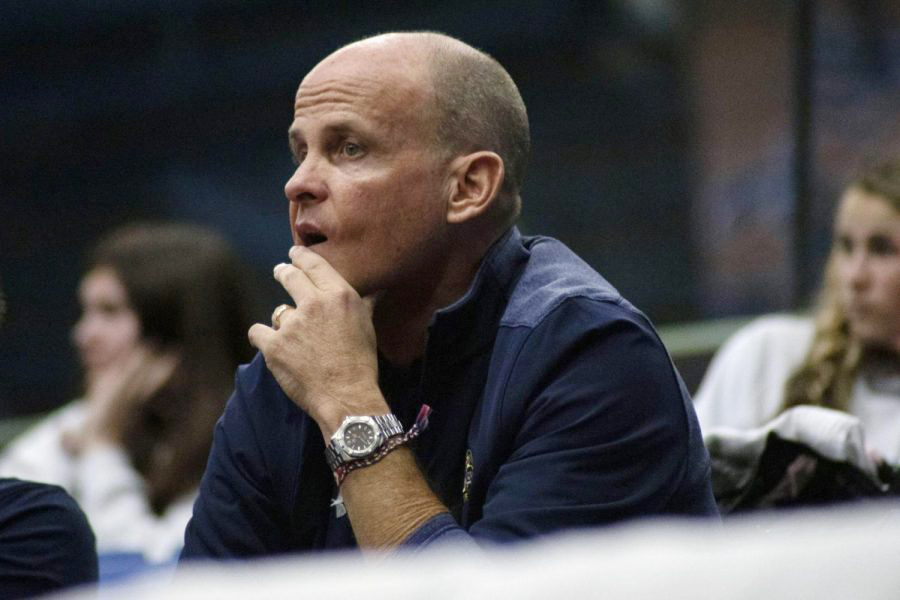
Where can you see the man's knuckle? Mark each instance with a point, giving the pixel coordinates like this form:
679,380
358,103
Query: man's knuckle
345,295
276,344
304,304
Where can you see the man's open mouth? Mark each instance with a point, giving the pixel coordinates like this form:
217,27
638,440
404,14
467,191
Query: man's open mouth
310,235
311,239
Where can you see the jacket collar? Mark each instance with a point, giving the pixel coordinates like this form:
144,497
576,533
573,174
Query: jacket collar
464,328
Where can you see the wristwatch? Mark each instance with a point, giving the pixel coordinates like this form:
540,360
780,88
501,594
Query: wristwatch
360,437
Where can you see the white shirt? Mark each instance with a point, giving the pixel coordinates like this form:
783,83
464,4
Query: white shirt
744,385
103,482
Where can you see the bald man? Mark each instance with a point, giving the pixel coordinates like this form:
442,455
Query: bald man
439,377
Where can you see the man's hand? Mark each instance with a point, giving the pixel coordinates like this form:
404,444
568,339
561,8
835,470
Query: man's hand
323,353
323,356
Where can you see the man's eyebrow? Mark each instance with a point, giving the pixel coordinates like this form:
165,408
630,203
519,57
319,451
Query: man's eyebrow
341,127
337,126
293,138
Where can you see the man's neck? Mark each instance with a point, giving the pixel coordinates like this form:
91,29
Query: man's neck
401,318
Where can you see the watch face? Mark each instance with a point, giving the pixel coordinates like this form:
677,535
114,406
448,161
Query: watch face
359,438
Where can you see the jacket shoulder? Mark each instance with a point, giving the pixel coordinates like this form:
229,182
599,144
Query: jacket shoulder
552,275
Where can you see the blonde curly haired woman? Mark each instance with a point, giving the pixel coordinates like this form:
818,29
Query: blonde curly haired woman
847,356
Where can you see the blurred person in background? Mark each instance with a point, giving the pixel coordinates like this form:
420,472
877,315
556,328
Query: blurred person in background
165,311
845,358
46,543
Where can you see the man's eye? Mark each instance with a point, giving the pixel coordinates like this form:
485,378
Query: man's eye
298,157
351,150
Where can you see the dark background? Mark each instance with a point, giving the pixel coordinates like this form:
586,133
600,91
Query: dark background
679,146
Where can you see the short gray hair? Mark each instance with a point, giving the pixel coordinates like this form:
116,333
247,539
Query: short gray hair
479,108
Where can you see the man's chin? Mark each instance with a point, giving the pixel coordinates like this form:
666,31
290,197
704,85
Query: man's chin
362,287
365,288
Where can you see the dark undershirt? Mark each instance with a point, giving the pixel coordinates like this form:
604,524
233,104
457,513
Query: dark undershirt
402,389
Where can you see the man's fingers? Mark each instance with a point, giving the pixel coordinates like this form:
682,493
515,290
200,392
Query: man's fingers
261,337
322,274
295,281
369,303
278,313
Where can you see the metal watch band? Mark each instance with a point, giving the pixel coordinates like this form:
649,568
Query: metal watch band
391,443
388,425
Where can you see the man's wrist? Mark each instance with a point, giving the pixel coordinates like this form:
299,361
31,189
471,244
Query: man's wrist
384,434
389,445
331,415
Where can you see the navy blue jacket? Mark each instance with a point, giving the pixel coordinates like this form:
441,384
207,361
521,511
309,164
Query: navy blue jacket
554,389
46,543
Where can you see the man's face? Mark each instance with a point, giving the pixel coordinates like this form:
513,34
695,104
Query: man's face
867,237
367,194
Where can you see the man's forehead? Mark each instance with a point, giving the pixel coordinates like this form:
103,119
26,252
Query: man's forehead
358,69
385,58
361,88
337,90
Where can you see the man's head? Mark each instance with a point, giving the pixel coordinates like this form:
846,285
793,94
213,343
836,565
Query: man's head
478,107
402,141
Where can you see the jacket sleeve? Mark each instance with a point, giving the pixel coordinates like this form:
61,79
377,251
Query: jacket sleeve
46,543
236,513
594,426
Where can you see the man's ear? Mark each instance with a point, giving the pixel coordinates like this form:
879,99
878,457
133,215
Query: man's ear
475,182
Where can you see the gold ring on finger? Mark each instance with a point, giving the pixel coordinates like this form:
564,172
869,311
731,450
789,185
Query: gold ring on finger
276,315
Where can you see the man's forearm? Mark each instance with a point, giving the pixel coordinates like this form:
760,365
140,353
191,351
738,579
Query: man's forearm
389,500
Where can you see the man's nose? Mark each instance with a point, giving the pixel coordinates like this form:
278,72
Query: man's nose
307,184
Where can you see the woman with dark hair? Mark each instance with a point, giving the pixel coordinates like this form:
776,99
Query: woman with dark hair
847,356
165,311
